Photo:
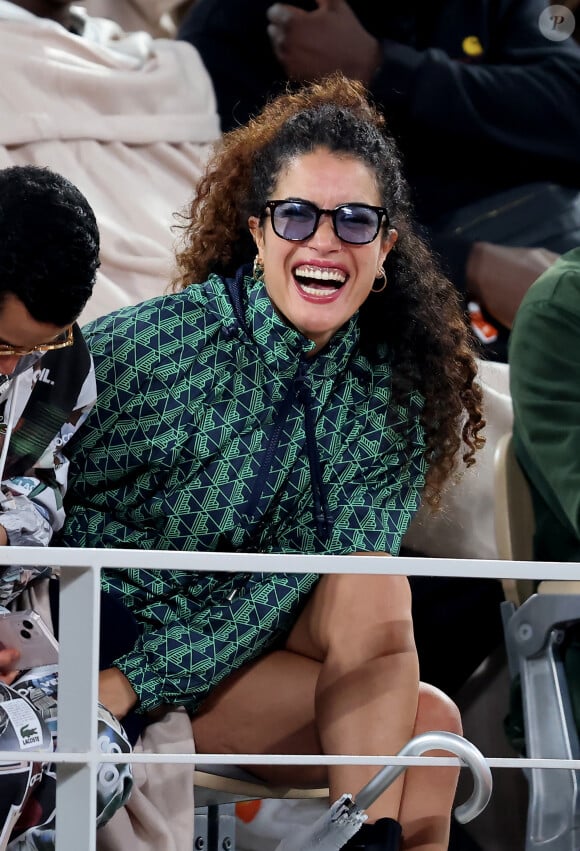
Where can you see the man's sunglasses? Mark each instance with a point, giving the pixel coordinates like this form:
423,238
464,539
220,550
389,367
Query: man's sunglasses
357,224
63,341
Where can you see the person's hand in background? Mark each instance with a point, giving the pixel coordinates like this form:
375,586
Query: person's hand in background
498,276
310,45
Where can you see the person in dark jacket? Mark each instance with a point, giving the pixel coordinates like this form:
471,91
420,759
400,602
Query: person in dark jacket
544,371
306,404
482,98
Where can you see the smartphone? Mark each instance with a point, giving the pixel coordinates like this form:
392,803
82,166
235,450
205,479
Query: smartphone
29,634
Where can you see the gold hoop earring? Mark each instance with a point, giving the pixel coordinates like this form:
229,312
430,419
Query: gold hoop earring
381,276
258,269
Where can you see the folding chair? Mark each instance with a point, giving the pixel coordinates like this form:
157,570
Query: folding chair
218,788
343,818
534,624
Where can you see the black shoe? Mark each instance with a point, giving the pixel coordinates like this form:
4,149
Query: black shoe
460,840
383,835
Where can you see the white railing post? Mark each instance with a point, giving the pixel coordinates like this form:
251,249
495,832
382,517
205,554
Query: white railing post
79,609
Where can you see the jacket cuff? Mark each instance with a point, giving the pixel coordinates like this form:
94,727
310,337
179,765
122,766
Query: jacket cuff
146,685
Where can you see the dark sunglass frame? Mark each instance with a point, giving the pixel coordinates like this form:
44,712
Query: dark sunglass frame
273,205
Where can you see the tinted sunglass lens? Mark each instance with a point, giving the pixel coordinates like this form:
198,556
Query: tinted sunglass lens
298,220
294,221
357,224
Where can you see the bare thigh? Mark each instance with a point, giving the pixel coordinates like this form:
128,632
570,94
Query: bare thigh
268,706
265,707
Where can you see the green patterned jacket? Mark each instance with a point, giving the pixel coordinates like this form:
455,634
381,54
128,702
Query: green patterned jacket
213,430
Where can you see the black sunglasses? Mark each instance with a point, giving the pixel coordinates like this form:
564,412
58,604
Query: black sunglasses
357,224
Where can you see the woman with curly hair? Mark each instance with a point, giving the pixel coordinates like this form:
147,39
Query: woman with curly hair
304,402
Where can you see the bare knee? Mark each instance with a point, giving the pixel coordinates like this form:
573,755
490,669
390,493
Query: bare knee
357,618
380,623
436,711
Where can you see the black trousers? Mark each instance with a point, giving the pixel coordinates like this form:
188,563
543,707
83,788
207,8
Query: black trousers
457,624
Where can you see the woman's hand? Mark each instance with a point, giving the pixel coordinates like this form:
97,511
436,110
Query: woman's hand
116,692
8,658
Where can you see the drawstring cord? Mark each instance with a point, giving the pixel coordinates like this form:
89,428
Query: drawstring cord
320,510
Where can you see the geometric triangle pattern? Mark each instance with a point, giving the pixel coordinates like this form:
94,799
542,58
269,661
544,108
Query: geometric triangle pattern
195,632
198,441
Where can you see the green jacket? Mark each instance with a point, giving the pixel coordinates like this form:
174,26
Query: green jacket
544,357
214,431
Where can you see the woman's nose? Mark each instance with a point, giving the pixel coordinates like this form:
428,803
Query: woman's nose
324,236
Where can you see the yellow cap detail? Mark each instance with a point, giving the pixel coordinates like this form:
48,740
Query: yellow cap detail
472,46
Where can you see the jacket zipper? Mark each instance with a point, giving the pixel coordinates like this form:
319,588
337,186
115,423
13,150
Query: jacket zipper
270,452
299,390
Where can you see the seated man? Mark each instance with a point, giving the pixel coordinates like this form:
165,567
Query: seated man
49,255
129,119
48,261
544,361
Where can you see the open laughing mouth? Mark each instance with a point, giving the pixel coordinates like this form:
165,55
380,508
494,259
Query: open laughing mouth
319,282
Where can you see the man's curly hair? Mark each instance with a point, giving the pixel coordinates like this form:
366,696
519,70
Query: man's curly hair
49,245
417,322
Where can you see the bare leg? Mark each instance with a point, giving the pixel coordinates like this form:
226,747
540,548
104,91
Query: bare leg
359,697
428,793
266,707
360,627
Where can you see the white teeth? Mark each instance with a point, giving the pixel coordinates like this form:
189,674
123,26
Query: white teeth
318,291
318,274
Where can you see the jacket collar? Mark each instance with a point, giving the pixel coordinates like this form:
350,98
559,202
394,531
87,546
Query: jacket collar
280,345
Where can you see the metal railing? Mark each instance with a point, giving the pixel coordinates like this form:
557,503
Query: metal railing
78,756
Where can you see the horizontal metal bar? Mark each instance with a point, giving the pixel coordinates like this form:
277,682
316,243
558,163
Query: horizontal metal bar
287,563
92,561
281,759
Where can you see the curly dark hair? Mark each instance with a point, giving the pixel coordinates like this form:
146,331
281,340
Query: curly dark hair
417,321
49,251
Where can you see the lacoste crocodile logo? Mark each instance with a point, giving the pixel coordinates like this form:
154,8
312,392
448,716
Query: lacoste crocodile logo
28,732
29,736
